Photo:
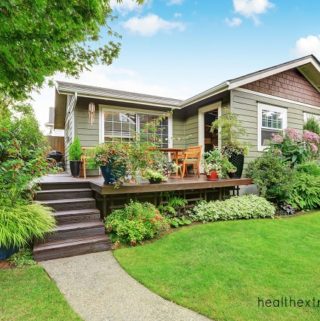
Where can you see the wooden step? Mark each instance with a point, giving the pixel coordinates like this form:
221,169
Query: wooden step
55,194
76,216
70,204
63,185
71,247
76,230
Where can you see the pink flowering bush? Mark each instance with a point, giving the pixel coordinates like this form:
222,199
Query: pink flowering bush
296,147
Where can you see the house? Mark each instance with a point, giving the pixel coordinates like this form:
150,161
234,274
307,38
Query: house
266,101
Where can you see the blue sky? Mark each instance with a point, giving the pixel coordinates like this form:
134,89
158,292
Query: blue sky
178,48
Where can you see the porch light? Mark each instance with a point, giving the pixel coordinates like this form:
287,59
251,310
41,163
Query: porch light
91,112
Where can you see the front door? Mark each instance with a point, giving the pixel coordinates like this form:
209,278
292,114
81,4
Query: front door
211,139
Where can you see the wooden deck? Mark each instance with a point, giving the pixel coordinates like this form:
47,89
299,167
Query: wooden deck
109,198
189,183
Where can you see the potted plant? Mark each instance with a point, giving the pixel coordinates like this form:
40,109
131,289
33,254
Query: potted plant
230,129
212,164
217,165
154,176
75,153
112,158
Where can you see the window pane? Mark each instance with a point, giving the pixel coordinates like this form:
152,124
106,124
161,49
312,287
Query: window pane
266,136
272,119
119,125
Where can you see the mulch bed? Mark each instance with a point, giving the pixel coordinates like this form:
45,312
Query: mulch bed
5,265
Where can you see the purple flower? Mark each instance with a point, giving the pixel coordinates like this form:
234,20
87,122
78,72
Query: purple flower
277,139
314,148
311,137
293,134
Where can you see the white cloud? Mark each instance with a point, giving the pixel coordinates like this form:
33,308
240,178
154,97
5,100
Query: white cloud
233,22
174,2
308,45
151,24
126,5
177,15
107,77
252,8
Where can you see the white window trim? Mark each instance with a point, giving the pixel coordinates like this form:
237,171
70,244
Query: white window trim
103,108
262,106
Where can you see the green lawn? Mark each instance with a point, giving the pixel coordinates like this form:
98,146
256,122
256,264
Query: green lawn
220,269
28,294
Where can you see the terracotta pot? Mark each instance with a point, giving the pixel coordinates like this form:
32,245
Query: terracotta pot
213,176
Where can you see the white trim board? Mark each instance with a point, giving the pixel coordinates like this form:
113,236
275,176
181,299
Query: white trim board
276,98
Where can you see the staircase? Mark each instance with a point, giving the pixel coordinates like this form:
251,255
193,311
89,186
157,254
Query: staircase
79,227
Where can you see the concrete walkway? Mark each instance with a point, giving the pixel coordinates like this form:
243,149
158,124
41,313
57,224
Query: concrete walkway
98,289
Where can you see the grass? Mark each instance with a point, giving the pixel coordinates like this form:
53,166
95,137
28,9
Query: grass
221,269
28,294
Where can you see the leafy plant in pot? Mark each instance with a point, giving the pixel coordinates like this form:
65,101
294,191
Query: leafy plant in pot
75,153
113,161
153,176
230,129
216,165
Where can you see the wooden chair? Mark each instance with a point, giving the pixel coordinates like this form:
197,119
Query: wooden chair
88,152
192,156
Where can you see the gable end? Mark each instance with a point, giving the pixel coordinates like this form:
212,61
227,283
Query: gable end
290,84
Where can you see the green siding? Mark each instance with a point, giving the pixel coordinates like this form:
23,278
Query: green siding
191,131
245,106
178,129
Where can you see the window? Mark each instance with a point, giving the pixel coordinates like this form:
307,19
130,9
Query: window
125,125
271,120
306,116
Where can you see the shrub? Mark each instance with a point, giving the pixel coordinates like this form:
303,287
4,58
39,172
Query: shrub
239,207
272,175
135,222
312,125
22,153
305,194
312,168
21,223
75,150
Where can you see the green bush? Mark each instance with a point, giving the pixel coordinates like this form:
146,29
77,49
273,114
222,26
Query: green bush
75,150
312,168
313,125
240,207
272,175
135,222
22,223
305,194
22,153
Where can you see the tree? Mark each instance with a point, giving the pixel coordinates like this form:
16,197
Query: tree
41,37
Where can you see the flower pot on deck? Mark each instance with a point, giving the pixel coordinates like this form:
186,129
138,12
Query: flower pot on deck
6,252
109,177
237,160
155,180
213,176
75,168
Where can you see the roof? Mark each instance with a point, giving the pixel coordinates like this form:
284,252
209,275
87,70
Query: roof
309,66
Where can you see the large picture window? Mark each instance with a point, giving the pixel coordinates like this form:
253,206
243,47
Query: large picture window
271,120
127,125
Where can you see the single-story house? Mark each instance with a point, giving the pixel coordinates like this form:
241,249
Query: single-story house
266,102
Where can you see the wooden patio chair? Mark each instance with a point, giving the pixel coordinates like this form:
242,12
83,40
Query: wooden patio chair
192,156
88,152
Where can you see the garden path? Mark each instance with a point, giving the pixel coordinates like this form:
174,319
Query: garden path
98,289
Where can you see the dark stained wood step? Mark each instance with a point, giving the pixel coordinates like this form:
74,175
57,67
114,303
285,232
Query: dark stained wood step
71,247
55,194
70,204
63,185
76,216
76,230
